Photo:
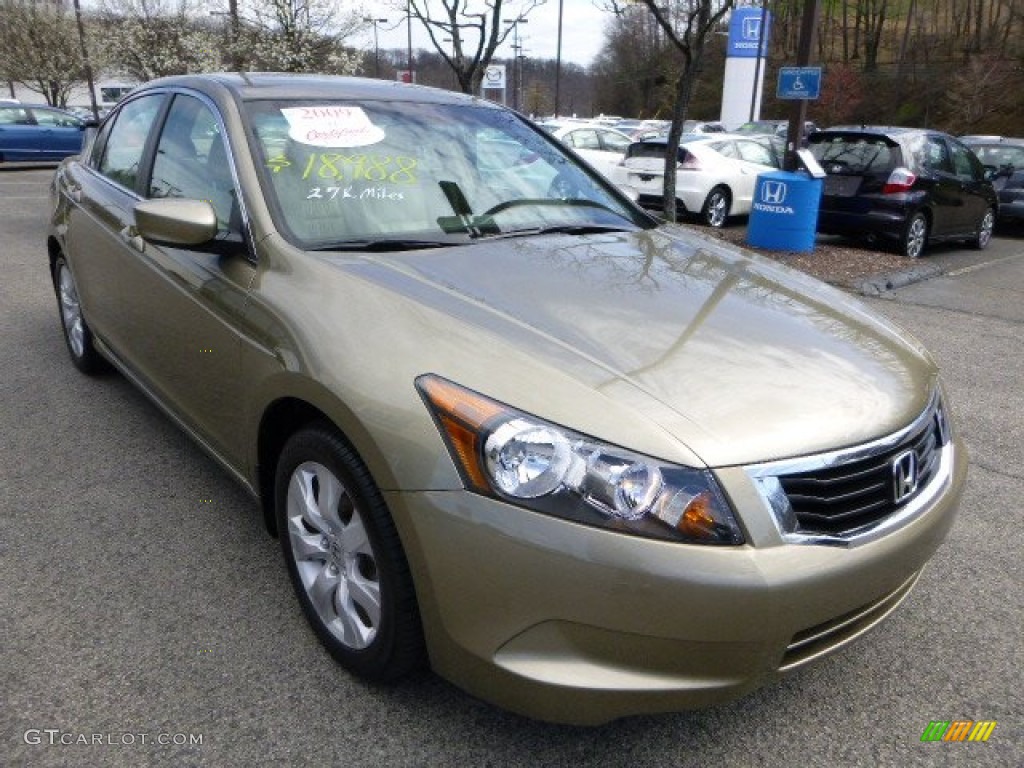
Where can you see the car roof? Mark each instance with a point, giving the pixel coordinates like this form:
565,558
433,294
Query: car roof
892,131
23,105
1006,140
251,86
707,138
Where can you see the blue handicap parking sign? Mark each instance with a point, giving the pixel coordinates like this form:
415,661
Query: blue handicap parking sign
799,83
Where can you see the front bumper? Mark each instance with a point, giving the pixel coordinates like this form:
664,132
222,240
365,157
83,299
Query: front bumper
568,623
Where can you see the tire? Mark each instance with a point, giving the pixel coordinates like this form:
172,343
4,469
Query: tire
983,236
77,336
716,208
914,237
345,558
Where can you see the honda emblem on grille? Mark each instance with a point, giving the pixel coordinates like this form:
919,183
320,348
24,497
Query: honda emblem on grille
904,475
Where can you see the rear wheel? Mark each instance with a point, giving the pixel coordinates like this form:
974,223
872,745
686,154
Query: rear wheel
345,558
77,335
915,236
983,236
716,207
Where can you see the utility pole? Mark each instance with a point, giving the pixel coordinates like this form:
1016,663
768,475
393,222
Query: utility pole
376,45
558,59
798,110
408,22
515,58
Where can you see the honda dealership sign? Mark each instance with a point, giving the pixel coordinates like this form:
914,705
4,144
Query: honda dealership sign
744,72
745,33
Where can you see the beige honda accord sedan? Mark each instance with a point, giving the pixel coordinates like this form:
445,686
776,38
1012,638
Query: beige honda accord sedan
582,463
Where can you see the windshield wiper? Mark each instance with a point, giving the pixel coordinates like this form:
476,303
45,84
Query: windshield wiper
382,245
567,229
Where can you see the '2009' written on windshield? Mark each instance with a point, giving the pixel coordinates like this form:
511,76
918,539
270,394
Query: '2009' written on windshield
396,169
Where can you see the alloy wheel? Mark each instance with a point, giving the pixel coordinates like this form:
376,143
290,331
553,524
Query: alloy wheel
71,311
984,236
716,209
333,555
917,233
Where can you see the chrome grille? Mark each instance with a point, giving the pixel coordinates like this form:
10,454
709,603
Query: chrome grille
856,494
848,496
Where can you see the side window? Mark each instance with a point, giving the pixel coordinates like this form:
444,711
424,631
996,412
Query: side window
936,157
191,160
613,142
965,164
753,152
98,144
583,139
58,119
14,116
122,151
725,149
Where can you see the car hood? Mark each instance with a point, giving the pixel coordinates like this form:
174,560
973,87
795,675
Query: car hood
740,359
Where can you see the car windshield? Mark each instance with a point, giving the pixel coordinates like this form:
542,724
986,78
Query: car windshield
381,175
1000,155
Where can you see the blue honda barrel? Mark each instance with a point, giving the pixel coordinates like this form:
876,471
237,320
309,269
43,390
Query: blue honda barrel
784,211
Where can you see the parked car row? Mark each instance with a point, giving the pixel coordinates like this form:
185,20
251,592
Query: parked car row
904,186
599,145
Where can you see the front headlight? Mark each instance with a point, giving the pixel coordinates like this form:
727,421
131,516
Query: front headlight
511,455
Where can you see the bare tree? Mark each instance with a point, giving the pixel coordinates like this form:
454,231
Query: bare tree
687,25
636,66
977,89
467,32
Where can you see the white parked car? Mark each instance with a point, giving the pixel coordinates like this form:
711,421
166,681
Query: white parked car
601,146
715,175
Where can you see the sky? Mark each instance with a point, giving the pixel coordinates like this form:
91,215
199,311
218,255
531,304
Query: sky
582,32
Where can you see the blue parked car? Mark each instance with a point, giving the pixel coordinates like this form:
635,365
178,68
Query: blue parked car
30,133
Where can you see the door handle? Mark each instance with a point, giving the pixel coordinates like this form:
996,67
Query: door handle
75,193
133,238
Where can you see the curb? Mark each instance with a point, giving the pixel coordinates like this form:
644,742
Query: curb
880,284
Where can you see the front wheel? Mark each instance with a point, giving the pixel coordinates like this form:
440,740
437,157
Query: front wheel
914,237
716,208
983,236
345,558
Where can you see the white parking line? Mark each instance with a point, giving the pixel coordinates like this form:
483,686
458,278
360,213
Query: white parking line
976,267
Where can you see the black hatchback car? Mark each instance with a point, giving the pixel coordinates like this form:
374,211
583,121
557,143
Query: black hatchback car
1003,158
908,185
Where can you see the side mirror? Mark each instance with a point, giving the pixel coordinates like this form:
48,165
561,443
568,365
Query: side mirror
176,221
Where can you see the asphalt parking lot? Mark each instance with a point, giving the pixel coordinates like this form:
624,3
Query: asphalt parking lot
148,619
